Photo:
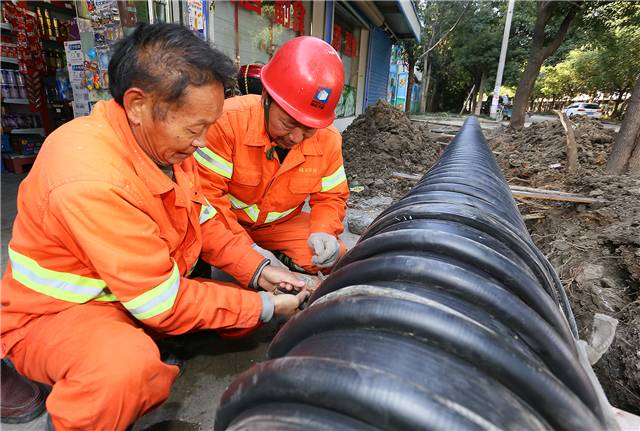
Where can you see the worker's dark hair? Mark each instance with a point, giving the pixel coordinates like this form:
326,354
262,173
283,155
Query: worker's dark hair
164,59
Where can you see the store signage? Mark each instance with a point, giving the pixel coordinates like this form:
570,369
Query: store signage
336,41
282,12
350,48
251,5
350,45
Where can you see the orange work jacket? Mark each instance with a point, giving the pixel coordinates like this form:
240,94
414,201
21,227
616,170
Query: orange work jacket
250,190
99,221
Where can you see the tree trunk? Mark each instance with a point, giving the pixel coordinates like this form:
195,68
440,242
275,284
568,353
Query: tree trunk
572,148
407,102
478,106
616,104
474,98
626,149
425,84
537,55
432,97
634,160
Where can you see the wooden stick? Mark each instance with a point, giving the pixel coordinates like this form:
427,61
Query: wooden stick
405,176
533,216
525,192
443,132
572,148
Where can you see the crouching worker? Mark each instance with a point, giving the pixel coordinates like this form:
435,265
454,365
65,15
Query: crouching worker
111,219
267,154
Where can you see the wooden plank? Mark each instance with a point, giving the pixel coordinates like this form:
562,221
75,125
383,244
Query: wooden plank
554,197
537,190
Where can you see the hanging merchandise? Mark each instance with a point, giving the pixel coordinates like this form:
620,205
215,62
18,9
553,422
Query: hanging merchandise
29,51
106,28
75,68
197,17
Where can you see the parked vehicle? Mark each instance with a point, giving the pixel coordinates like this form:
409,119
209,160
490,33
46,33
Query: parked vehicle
589,109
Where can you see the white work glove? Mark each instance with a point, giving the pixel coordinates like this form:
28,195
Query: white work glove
326,248
268,255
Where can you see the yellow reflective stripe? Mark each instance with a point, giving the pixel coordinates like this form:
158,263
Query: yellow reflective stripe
106,297
213,162
192,268
334,179
60,285
273,216
207,212
251,210
157,300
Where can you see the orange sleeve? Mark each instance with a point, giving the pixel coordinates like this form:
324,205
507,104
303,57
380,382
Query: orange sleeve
215,168
328,206
230,252
106,227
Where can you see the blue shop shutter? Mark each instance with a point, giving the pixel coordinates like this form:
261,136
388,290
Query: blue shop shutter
378,70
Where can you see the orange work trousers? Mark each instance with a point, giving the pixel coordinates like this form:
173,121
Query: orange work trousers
105,370
290,238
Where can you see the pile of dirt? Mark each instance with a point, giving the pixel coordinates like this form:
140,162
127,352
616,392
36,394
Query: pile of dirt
596,251
380,142
536,155
595,248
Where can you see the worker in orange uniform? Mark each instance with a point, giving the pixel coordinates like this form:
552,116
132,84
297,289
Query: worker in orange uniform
110,221
267,154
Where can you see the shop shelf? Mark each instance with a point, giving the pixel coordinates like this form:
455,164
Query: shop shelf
6,26
67,9
16,101
9,60
36,131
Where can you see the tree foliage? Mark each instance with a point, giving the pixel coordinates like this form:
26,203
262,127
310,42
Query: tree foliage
606,62
599,55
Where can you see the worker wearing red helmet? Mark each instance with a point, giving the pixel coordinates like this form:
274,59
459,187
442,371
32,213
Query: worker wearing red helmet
267,154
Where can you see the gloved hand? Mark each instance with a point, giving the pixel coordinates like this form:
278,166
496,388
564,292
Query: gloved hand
326,248
268,255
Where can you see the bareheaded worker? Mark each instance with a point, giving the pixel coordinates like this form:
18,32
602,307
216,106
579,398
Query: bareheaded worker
111,219
267,154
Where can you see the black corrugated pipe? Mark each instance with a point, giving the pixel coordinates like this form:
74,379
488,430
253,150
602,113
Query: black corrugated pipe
444,316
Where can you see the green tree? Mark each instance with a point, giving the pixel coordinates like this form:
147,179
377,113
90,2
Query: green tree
553,20
440,21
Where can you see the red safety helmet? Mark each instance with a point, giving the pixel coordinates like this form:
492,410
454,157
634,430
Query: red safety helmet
305,78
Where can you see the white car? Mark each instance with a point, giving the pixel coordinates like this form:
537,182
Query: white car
589,109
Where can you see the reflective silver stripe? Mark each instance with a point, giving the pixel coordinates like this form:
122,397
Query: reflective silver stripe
214,162
157,300
251,210
60,285
273,216
333,180
207,212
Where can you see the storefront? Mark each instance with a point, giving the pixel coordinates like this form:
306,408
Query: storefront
56,53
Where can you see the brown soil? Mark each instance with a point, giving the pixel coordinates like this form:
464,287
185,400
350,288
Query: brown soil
381,141
595,248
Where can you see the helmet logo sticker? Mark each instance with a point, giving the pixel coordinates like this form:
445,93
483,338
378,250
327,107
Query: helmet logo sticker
321,97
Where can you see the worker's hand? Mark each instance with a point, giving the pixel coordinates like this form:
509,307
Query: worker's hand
268,255
286,305
326,248
273,277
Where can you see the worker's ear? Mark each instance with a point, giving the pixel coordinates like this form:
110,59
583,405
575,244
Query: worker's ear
135,102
